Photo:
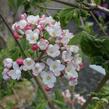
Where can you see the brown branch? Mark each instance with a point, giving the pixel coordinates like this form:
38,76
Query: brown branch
97,8
3,19
71,5
49,8
50,102
40,57
97,22
87,6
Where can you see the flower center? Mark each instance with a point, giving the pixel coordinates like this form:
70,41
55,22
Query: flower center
48,78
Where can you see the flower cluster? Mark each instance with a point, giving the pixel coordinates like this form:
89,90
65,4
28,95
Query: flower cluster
56,58
77,99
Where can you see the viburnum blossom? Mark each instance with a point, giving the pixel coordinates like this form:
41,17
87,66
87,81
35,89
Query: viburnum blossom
53,50
76,99
79,99
8,63
16,72
54,30
66,36
38,67
28,64
55,66
71,74
52,56
43,44
67,56
5,74
32,36
12,70
21,24
66,94
74,48
48,78
32,19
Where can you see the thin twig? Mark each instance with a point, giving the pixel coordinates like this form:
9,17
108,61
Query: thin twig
97,8
97,22
16,96
71,4
86,7
50,8
22,51
50,102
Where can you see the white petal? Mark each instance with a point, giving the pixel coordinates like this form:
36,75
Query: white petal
49,61
61,67
15,66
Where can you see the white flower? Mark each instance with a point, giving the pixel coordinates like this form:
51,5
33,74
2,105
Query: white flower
15,73
66,36
81,100
46,20
53,50
70,71
5,74
38,67
50,20
14,27
73,81
28,64
74,49
54,30
43,44
8,62
48,78
33,19
55,66
77,60
32,36
67,56
21,24
66,94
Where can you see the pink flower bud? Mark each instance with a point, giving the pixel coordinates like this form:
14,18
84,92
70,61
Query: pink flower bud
41,27
19,61
23,16
72,78
81,66
16,35
28,27
37,30
47,88
34,47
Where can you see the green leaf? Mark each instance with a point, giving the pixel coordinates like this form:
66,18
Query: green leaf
75,40
15,4
96,48
97,1
66,15
42,105
59,103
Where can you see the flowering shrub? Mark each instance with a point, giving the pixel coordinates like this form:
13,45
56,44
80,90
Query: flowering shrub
55,57
48,55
